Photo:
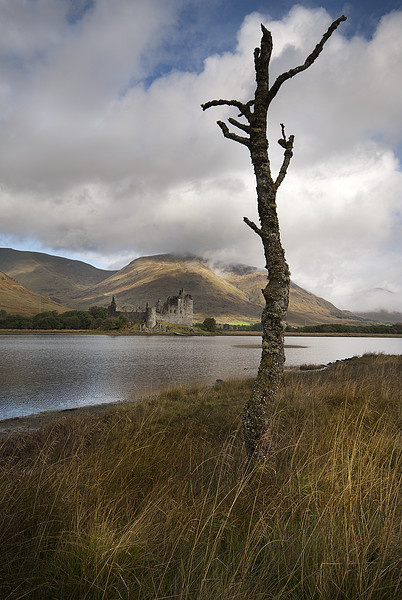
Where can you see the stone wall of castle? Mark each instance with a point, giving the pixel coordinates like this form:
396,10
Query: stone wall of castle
176,310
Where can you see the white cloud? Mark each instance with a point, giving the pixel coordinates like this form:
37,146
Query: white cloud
101,161
339,220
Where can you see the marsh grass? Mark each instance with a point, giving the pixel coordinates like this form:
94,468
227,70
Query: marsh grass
155,500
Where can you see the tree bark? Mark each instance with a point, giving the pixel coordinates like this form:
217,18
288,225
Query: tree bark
257,414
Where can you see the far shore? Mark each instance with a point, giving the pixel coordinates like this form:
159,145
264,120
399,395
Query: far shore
219,332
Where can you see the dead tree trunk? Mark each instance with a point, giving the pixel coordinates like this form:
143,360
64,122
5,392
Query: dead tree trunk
257,414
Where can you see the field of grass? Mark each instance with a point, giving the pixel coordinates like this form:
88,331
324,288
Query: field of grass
155,500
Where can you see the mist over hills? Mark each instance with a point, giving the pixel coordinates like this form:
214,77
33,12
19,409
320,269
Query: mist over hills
148,278
229,293
383,315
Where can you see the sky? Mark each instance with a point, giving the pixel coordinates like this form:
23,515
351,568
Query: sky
106,154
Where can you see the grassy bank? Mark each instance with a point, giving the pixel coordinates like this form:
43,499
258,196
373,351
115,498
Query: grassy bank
155,500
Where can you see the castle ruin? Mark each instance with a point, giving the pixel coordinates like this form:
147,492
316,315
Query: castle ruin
176,310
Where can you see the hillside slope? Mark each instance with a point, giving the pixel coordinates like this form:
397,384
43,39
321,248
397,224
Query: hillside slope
148,278
228,293
59,278
17,299
382,316
304,308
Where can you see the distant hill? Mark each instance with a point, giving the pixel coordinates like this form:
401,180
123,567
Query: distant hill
304,308
229,293
17,299
148,278
62,279
382,316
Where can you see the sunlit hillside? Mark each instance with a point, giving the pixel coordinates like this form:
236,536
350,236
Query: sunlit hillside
17,299
304,308
149,278
229,293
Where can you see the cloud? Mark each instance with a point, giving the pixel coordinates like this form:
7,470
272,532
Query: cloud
104,158
344,236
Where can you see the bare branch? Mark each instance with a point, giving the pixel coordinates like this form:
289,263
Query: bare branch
288,145
262,56
241,126
243,108
308,62
283,141
232,136
253,226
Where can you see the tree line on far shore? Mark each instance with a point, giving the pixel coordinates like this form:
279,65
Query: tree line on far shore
94,318
328,328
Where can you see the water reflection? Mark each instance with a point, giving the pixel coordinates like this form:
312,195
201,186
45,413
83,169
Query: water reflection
49,372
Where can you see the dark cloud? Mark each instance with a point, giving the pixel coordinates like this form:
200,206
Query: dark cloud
103,161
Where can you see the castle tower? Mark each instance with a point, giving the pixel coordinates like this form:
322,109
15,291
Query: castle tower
111,309
159,306
150,316
179,309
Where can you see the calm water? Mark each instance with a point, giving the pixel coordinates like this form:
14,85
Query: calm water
51,372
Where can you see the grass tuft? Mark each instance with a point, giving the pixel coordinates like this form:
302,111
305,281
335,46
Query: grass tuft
155,500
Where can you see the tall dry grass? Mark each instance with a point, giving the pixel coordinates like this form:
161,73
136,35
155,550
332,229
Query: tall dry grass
155,500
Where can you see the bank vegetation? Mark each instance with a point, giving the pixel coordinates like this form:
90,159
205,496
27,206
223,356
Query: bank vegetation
155,499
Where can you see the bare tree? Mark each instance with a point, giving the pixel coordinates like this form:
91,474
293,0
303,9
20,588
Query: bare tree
257,414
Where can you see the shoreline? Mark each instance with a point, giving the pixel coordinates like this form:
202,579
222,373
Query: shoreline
35,421
218,333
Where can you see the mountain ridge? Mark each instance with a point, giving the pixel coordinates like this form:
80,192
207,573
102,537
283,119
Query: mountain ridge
227,292
59,278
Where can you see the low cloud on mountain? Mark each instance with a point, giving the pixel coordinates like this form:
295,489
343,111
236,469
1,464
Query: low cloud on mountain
107,155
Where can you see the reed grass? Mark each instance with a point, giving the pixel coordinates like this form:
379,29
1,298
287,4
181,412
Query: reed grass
155,500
